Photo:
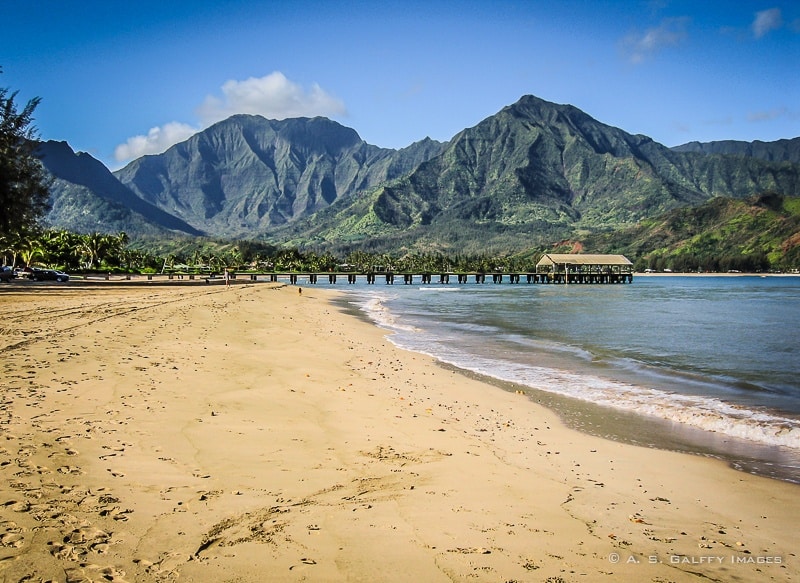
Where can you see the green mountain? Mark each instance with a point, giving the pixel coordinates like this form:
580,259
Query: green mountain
85,197
777,151
243,176
722,234
533,173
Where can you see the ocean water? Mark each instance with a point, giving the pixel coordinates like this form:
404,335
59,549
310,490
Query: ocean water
709,365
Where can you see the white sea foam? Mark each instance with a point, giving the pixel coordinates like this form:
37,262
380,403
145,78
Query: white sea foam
701,412
375,308
705,413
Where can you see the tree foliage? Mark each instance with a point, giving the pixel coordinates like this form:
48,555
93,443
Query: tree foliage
24,188
757,234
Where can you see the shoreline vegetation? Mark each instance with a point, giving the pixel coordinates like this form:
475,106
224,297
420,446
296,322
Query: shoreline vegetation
252,433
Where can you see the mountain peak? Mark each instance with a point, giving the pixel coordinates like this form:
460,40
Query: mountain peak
534,170
312,133
247,174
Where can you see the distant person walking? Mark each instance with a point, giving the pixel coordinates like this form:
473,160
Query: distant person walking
227,278
300,290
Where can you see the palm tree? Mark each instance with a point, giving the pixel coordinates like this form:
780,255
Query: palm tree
62,248
30,249
215,262
8,247
234,257
115,245
288,259
198,260
94,247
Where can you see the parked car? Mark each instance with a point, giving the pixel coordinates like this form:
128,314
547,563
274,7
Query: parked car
48,275
7,274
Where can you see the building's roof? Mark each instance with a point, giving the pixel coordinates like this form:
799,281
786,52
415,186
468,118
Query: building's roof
583,259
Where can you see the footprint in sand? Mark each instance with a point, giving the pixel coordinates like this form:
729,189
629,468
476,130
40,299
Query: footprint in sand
63,552
117,449
88,538
11,536
16,506
12,539
93,573
116,513
166,564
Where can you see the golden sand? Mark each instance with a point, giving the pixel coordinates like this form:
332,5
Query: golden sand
198,433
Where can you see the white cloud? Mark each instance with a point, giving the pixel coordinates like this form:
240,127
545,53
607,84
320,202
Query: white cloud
766,21
639,46
273,96
768,115
156,141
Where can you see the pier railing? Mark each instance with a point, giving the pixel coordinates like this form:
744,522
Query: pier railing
407,278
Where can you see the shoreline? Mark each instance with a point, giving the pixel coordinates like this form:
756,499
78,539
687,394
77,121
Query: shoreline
627,424
258,434
642,430
695,274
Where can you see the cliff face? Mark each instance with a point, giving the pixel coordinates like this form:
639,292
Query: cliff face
247,174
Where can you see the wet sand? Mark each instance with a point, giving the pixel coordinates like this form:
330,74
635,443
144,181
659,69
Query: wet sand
198,433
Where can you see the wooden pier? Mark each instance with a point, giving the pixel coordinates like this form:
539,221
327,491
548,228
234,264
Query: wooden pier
563,268
391,278
552,269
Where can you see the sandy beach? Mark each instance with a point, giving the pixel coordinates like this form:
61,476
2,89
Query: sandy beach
252,433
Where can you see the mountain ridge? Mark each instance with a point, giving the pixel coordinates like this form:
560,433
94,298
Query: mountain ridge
531,173
785,150
248,174
81,181
757,233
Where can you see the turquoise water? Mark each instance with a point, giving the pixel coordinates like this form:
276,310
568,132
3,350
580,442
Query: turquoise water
704,364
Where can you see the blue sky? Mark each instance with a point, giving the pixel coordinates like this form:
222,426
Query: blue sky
121,79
